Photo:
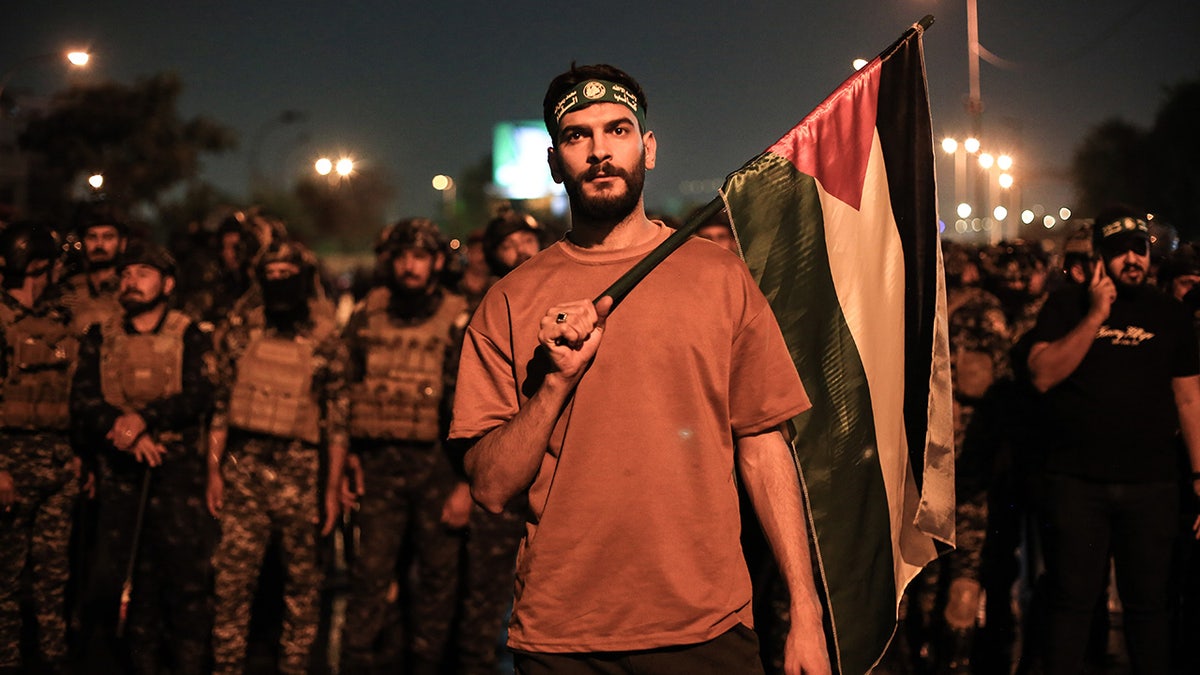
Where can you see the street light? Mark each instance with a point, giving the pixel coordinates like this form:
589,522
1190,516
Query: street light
445,185
77,59
96,180
342,167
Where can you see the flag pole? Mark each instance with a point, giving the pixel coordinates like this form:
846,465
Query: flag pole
622,286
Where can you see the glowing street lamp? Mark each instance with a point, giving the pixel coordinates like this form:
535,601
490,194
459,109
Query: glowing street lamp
344,167
76,58
1005,180
445,185
1027,216
442,182
986,160
964,210
1004,162
324,166
949,145
1000,213
971,145
96,180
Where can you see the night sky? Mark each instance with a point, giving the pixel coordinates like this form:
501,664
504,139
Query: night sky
417,88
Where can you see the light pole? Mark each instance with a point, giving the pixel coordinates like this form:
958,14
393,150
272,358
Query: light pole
77,59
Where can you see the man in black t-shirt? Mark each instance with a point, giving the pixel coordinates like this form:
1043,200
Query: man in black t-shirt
1119,367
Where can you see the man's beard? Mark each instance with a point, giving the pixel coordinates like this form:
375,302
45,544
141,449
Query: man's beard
134,307
412,303
1125,287
94,264
606,208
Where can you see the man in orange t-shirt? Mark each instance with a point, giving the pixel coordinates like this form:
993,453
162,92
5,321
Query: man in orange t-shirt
627,433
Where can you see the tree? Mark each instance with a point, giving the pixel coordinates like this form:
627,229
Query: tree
1110,166
133,135
1174,145
350,210
1154,169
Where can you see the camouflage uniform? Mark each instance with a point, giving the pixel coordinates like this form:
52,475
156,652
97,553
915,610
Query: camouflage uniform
407,475
979,346
169,613
90,303
35,530
213,292
487,588
271,484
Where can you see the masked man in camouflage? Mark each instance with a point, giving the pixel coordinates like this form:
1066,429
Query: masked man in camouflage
404,339
281,400
143,389
37,467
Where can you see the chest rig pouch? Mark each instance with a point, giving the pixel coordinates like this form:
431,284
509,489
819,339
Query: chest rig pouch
273,389
41,361
403,383
139,368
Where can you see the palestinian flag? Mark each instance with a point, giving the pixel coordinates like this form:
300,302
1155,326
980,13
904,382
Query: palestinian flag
837,222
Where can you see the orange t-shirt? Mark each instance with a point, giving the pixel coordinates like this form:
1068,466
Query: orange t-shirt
633,541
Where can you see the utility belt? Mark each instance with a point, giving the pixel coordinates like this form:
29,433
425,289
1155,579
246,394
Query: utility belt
266,453
34,405
22,445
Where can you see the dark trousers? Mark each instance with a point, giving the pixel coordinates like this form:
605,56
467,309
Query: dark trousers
1087,522
169,613
399,519
734,652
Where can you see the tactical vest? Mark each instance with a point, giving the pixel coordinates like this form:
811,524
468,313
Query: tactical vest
138,368
272,393
273,389
41,361
87,309
400,395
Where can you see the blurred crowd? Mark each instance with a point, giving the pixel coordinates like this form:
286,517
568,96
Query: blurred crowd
187,430
987,606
